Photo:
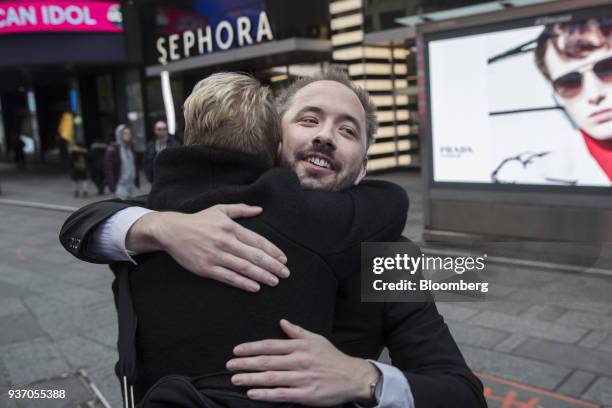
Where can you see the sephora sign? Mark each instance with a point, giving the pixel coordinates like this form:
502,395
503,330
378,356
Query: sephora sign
66,16
209,38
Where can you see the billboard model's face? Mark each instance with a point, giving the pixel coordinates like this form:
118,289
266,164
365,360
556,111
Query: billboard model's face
591,106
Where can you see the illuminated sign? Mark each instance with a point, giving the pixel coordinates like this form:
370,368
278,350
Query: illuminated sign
239,32
66,16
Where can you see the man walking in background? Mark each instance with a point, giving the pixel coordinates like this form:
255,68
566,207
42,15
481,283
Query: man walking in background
162,140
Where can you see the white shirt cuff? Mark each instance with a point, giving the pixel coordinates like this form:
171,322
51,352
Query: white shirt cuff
396,391
108,239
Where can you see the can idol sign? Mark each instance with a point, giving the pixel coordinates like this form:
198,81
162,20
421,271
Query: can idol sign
66,16
239,32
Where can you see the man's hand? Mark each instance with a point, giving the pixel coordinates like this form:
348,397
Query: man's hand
306,369
212,245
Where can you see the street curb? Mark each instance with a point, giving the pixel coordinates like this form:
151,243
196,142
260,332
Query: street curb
524,262
41,206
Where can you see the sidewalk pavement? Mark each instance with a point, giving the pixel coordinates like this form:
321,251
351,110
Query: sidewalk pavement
549,329
48,184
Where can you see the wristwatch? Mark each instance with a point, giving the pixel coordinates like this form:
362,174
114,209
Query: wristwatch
375,392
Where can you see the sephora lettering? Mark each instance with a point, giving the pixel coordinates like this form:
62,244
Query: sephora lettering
209,39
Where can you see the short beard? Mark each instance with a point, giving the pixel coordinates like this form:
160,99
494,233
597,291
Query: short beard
312,183
347,182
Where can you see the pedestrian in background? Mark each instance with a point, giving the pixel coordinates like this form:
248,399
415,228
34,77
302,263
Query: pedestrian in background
79,168
97,150
162,140
20,160
119,164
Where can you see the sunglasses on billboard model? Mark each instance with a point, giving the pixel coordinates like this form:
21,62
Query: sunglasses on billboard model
570,85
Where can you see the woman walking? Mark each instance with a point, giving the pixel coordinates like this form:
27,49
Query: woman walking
119,165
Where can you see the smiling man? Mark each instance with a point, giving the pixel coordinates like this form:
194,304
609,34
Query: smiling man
323,163
327,126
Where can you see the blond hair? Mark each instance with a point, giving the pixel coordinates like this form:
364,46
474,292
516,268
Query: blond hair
234,112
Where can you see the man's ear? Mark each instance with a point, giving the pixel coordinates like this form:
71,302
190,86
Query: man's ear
364,170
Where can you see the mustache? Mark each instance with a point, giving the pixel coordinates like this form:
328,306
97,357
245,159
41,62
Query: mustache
325,150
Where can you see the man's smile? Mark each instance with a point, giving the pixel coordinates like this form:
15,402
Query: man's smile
319,162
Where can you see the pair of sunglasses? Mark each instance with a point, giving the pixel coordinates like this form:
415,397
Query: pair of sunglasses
570,85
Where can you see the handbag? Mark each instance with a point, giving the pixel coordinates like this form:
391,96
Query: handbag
213,390
209,390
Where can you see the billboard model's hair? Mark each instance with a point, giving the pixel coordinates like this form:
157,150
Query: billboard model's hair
573,40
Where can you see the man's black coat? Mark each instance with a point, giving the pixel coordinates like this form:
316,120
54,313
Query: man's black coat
188,325
418,340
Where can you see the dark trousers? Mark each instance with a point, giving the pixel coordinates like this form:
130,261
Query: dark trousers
97,176
138,158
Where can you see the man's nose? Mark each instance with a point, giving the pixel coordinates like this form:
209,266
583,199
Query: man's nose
593,88
325,139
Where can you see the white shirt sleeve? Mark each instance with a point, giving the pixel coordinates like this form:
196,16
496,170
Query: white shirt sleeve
108,239
396,391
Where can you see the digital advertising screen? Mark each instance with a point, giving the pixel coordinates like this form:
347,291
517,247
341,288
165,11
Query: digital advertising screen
36,32
527,102
17,17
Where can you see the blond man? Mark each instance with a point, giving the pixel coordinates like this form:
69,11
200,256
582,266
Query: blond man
233,112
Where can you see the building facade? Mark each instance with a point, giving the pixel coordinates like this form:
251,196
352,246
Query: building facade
63,63
71,72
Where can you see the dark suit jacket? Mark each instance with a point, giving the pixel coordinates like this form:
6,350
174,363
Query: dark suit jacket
188,325
418,340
